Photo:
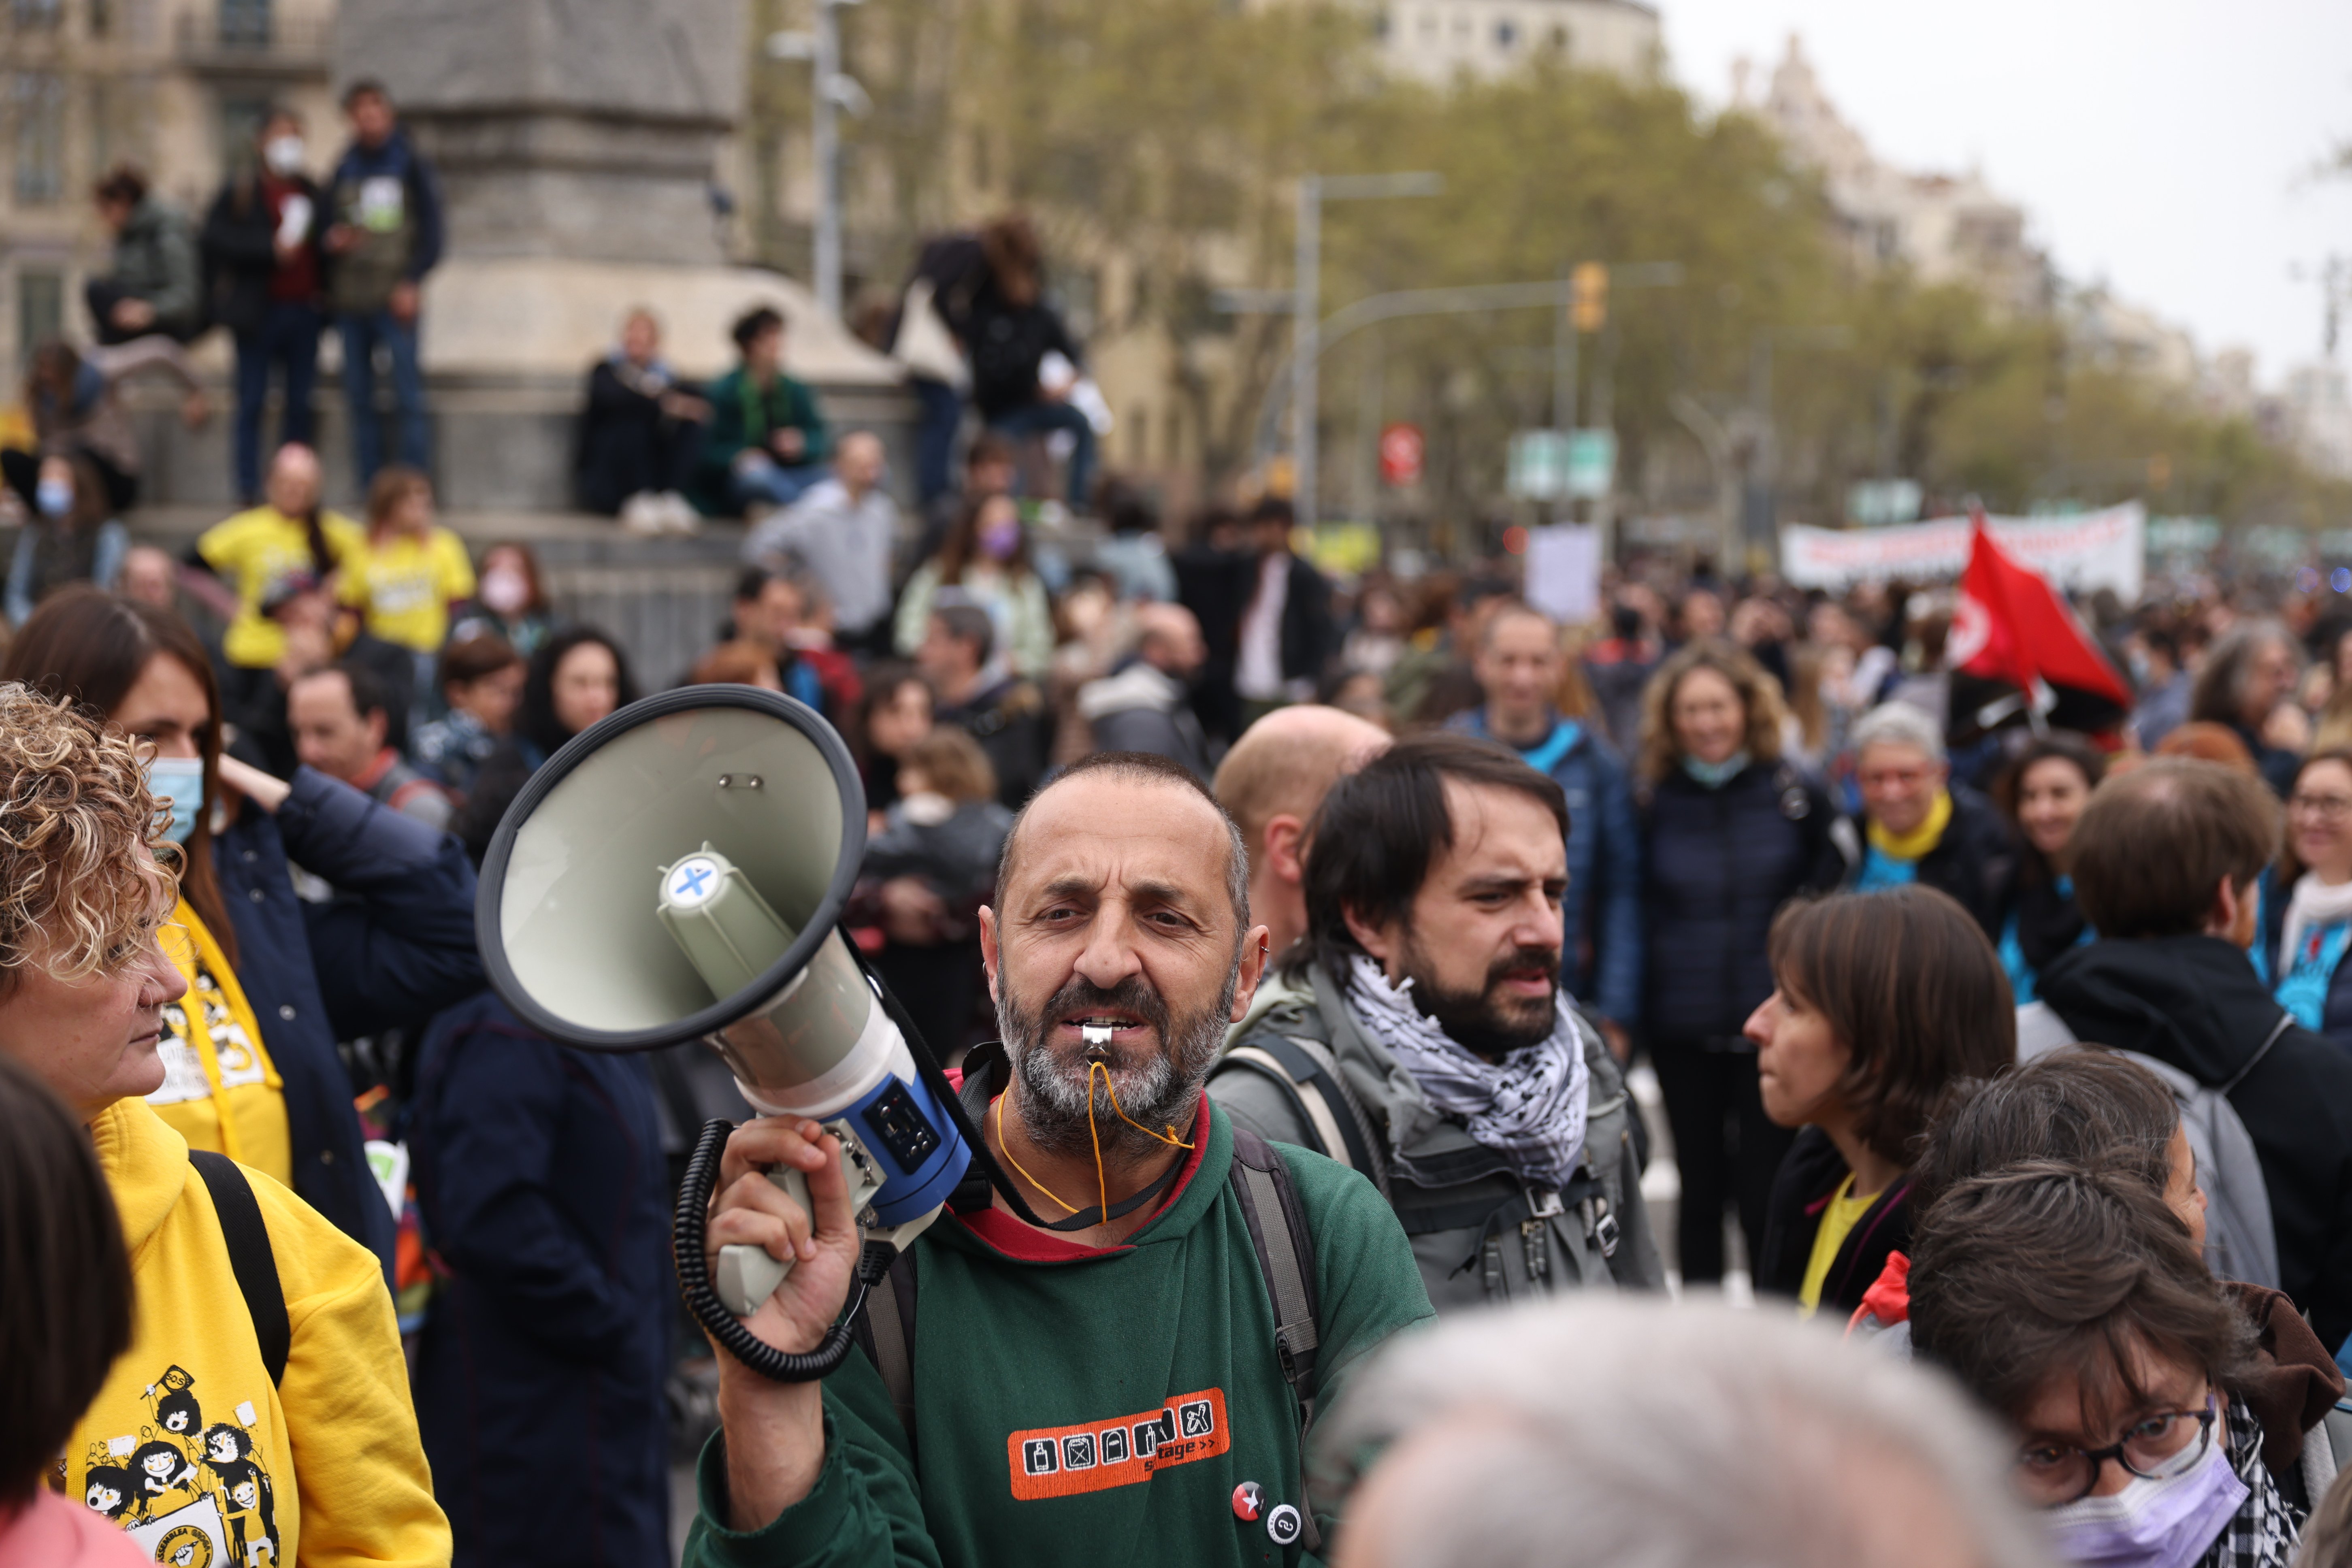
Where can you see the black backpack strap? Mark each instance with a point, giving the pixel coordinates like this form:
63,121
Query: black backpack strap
885,1330
1285,1259
249,1256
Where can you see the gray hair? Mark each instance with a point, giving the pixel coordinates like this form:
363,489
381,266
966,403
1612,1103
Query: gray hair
1898,724
2222,688
1599,1432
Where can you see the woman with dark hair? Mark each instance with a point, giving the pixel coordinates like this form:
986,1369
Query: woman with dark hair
2071,1301
64,1318
985,562
2306,900
575,679
252,1071
1730,833
72,537
2043,792
893,713
1881,1002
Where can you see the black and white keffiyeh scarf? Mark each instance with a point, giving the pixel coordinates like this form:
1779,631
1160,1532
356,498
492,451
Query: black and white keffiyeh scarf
1529,1108
2263,1532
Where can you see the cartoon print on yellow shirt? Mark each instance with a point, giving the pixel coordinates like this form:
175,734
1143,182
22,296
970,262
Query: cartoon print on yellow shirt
187,1493
184,1070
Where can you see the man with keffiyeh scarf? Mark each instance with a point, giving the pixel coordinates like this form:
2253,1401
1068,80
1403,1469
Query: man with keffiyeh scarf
1419,1031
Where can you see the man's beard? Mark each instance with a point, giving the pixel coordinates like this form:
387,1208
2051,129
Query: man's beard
1059,1089
1488,1021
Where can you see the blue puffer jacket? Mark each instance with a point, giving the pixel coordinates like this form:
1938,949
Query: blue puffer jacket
541,1176
1600,941
1719,864
2314,984
394,947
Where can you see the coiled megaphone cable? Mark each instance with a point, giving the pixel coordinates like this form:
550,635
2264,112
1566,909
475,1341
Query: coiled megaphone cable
688,1229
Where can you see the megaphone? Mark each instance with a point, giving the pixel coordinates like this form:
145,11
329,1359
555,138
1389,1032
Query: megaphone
677,872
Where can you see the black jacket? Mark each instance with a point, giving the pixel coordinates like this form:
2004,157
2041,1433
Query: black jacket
241,253
1975,861
1309,639
1809,1178
540,1178
1717,865
2195,1003
1013,726
394,946
1007,343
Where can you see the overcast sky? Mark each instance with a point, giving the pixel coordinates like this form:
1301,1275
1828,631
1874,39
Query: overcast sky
2162,145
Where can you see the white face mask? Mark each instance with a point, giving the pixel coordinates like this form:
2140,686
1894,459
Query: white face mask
283,154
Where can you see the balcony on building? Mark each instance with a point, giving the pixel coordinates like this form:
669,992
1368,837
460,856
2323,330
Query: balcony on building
244,39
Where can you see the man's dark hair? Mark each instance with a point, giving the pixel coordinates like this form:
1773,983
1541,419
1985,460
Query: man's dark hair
2081,1104
751,582
968,623
2152,847
2047,1269
369,693
472,659
65,1313
366,87
1912,989
1144,768
1273,509
124,183
1380,827
751,323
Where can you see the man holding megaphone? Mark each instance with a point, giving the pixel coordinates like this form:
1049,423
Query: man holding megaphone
1113,1360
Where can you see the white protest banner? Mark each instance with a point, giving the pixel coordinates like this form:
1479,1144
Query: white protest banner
2090,551
1563,577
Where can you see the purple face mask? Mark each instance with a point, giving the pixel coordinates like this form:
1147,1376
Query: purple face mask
2151,1524
1000,538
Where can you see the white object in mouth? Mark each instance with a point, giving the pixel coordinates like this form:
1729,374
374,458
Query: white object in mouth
1095,1034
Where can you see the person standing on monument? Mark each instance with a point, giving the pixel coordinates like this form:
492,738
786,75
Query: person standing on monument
385,237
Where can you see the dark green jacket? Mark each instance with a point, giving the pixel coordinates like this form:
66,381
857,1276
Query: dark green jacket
743,416
155,259
1063,1356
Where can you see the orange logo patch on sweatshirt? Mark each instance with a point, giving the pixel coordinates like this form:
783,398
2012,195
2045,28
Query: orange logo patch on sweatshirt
1094,1456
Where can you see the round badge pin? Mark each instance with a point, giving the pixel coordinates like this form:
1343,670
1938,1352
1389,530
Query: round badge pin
1284,1523
1249,1500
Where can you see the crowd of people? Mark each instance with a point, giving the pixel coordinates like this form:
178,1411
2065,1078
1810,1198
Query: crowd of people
1298,944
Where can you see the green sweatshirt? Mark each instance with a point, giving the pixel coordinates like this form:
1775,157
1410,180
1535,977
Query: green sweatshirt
1083,1407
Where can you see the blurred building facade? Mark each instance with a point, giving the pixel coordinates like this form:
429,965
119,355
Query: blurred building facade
1436,40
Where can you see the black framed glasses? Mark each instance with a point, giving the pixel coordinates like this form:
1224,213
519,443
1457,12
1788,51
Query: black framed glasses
2158,1448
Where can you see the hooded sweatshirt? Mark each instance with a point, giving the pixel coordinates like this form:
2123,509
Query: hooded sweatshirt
188,1439
2195,1003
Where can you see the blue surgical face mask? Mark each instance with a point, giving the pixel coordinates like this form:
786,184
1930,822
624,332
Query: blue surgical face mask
54,497
178,782
1715,775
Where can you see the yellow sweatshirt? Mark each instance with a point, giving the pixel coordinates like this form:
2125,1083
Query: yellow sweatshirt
188,1446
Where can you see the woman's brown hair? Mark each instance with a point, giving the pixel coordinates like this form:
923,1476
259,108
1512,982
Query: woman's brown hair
2046,1269
1913,990
2061,746
952,764
66,1314
963,543
393,483
92,648
1759,701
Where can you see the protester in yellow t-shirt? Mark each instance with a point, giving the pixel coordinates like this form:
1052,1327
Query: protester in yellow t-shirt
408,572
1881,1002
258,550
227,1433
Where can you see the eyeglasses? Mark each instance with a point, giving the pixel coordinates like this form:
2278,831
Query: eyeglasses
2326,807
2157,1448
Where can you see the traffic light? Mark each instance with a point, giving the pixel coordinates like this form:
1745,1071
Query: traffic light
1588,296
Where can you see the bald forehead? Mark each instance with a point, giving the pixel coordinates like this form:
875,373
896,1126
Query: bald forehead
1289,761
1103,827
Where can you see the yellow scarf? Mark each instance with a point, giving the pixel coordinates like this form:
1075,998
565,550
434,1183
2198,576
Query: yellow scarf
1920,839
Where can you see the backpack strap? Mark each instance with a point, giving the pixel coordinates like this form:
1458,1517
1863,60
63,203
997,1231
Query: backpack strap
2277,1029
886,1332
250,1257
1285,1258
1319,1096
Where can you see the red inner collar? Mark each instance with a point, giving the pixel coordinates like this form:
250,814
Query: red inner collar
1026,1244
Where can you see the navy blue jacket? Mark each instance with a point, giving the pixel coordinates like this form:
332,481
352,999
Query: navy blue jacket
540,1178
1717,864
398,159
1603,907
394,947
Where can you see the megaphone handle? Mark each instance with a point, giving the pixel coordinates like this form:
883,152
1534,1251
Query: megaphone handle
749,1275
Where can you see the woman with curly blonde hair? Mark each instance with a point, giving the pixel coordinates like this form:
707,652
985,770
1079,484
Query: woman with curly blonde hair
263,1347
1730,833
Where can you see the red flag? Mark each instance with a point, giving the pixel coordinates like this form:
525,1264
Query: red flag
2011,626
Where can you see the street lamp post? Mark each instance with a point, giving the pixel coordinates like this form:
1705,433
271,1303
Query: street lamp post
1306,308
830,91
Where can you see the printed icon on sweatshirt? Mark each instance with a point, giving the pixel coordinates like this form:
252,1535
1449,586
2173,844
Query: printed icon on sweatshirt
1094,1456
190,1495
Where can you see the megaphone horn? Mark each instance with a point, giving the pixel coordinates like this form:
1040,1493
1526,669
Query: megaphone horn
678,872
